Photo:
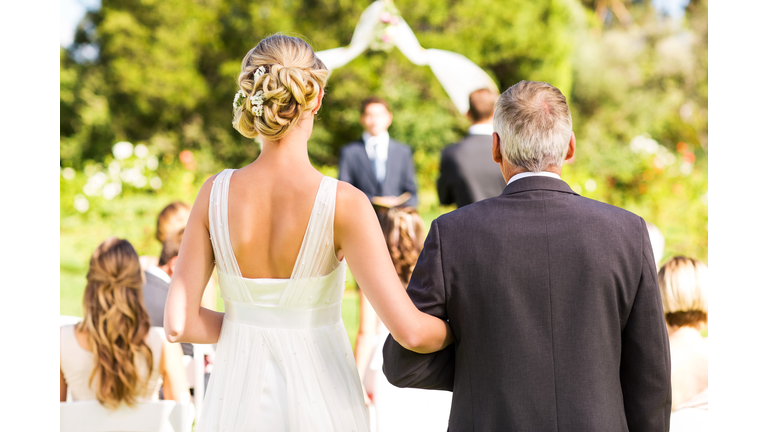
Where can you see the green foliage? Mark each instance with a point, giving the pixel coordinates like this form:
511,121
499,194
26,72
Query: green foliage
165,75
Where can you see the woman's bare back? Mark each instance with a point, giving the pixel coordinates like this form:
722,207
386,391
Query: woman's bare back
269,210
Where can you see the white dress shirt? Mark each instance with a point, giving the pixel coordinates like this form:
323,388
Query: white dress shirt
531,174
377,148
481,129
159,273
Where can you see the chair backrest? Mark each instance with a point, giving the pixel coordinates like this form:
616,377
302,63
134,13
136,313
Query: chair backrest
68,319
155,416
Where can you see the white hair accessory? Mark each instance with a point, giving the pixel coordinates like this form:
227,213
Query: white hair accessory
257,103
239,98
258,72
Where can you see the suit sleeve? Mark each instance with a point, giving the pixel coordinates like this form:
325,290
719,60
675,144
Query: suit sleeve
410,180
645,360
444,189
404,368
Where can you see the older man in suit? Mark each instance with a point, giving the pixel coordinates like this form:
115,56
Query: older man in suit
552,297
377,165
467,171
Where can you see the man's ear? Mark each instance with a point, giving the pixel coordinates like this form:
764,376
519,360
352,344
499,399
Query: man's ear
571,149
172,265
496,148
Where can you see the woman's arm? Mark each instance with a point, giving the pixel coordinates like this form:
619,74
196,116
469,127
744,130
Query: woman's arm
62,387
366,334
358,234
175,385
185,320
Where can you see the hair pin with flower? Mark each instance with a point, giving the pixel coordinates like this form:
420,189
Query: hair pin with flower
239,98
258,72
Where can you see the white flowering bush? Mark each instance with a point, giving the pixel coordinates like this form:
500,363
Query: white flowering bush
128,169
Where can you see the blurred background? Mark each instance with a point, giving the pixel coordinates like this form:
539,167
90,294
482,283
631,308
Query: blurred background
147,87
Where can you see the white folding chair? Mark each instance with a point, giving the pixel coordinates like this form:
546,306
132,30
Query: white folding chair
68,319
199,351
155,416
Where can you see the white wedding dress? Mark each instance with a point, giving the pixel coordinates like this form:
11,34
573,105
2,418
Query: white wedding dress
283,360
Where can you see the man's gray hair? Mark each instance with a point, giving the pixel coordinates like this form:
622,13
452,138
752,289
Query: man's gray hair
534,124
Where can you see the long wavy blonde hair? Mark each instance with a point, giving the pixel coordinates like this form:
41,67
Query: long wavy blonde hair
116,323
404,233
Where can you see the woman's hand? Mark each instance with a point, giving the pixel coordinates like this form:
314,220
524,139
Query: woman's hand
358,234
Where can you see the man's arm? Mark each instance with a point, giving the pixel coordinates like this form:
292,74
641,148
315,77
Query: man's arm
645,362
447,173
404,368
410,180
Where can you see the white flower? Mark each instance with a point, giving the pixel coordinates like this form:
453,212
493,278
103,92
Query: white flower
258,72
111,190
155,183
81,203
257,103
141,151
122,150
239,97
152,162
590,185
68,173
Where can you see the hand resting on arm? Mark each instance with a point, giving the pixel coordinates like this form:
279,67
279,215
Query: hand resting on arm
358,235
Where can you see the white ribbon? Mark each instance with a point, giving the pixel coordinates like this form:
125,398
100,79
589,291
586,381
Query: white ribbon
458,75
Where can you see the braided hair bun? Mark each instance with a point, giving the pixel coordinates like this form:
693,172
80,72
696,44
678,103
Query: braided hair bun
281,79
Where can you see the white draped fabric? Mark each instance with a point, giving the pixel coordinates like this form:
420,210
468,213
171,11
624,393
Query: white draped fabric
283,361
458,75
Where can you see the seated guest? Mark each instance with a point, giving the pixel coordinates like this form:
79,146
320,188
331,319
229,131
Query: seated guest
113,355
170,220
397,409
158,279
683,284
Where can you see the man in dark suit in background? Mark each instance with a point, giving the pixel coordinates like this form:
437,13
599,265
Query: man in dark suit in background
377,165
552,298
158,279
467,171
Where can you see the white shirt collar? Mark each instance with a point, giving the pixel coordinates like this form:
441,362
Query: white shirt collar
382,147
481,129
531,174
159,273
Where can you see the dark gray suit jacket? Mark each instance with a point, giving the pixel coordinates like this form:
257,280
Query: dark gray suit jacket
356,169
468,173
155,292
555,306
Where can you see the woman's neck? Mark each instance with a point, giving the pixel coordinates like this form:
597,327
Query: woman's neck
291,150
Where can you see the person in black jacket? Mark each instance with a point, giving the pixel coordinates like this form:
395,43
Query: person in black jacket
467,171
379,166
552,298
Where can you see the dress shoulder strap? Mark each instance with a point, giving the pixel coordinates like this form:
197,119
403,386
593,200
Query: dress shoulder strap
218,224
317,256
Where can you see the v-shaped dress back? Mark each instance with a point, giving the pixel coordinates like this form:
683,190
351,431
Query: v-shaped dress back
283,359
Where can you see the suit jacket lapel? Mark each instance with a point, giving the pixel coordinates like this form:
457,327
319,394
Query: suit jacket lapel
367,165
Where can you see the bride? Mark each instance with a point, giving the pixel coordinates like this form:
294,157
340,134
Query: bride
280,234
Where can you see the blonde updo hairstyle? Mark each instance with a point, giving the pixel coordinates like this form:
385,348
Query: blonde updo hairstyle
291,83
117,324
683,283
